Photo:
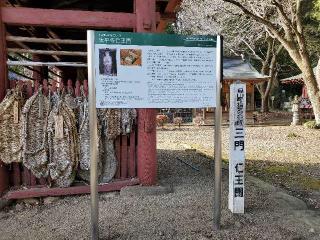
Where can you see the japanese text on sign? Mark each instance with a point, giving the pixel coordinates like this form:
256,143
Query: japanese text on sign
237,147
154,70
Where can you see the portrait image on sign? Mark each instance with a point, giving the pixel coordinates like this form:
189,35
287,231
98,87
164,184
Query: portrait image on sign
108,62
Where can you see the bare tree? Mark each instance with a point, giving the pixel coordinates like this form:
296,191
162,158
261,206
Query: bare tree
251,21
243,36
283,20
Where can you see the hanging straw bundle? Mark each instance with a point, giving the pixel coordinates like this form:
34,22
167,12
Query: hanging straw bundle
34,134
111,128
114,122
63,145
128,117
84,139
10,117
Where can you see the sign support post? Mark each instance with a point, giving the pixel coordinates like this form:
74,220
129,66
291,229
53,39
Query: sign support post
93,139
217,140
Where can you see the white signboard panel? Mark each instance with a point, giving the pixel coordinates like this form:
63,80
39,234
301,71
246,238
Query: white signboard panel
135,70
237,147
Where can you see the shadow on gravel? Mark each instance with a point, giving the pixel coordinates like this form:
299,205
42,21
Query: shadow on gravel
300,180
186,213
266,206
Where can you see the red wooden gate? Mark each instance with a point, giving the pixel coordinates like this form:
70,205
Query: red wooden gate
136,153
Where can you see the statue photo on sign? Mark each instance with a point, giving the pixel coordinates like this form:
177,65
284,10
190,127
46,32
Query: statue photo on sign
108,62
131,57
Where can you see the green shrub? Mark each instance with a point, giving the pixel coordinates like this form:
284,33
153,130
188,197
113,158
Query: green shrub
312,125
292,135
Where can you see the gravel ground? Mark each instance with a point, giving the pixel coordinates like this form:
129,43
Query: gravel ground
286,156
184,214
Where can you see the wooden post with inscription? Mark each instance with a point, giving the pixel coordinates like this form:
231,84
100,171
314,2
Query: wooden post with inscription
237,147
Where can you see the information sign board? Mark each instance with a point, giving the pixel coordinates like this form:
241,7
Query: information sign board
145,70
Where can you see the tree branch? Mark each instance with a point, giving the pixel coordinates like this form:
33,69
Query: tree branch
279,49
266,61
252,50
318,73
265,22
298,17
288,24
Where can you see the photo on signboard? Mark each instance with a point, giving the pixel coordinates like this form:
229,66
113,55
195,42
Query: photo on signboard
108,62
131,57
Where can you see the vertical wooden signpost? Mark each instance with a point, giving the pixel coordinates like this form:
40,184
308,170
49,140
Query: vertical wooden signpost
93,139
237,147
217,138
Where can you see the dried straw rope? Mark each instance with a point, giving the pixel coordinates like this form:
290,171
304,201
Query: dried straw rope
34,134
10,147
63,152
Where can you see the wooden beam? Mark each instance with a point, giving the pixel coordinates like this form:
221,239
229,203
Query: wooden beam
44,191
45,40
36,75
46,52
4,83
42,64
18,43
168,15
29,62
172,6
246,80
22,45
67,18
4,177
52,34
161,26
66,3
26,66
145,15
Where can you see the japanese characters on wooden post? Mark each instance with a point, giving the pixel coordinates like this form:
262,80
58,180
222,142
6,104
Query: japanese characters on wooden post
237,147
144,70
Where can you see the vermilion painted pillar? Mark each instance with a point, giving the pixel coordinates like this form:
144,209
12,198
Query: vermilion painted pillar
4,85
146,148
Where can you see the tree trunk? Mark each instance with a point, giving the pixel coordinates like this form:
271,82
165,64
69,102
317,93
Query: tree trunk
269,67
264,103
311,84
315,101
273,76
313,91
293,41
